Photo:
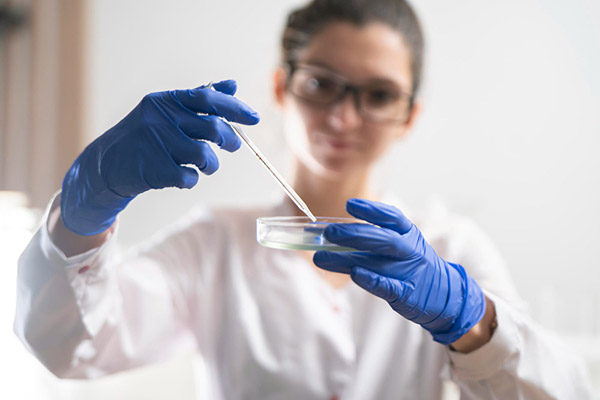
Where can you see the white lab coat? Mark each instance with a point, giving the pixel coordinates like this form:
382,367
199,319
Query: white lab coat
265,322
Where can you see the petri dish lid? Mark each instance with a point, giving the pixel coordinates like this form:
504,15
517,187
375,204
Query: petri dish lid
299,233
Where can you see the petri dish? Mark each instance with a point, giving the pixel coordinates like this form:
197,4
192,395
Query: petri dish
299,233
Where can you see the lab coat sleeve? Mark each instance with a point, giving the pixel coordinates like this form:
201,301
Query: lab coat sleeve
522,359
97,313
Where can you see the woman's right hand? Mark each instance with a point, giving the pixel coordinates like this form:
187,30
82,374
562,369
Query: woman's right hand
147,150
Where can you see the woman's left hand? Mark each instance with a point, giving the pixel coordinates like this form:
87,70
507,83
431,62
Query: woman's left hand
395,262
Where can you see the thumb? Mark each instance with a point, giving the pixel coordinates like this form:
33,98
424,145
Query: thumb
228,86
380,214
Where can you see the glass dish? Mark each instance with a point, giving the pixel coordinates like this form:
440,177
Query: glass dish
299,233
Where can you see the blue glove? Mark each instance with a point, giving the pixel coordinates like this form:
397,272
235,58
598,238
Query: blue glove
147,150
395,262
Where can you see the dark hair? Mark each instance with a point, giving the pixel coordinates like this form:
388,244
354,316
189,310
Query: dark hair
305,22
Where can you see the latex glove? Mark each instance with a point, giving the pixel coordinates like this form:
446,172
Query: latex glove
395,262
147,150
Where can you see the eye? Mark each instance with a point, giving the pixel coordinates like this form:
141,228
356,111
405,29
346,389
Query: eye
319,85
315,86
378,97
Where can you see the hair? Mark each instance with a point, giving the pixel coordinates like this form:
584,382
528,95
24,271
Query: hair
304,23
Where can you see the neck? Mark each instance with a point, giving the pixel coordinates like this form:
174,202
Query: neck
327,196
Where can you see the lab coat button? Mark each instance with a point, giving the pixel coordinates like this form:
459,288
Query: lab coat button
335,309
83,270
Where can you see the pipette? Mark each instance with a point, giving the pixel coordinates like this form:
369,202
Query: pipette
287,188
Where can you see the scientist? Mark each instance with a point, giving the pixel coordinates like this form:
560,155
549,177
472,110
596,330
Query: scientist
418,303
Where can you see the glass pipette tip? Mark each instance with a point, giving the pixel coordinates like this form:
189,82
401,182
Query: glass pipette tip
285,186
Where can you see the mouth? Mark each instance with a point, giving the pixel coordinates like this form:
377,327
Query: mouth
337,143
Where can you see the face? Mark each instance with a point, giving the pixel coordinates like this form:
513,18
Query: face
347,134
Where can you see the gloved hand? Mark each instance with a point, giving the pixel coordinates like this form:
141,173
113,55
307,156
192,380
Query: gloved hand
395,262
146,150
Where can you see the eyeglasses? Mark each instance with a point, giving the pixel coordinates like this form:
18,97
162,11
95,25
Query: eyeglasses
379,101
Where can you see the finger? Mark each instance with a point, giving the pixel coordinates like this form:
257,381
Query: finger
174,119
188,151
184,150
228,86
345,261
189,178
379,214
370,238
334,262
205,158
213,102
388,289
211,128
169,174
335,268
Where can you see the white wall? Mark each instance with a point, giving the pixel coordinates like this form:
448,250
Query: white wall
511,138
509,135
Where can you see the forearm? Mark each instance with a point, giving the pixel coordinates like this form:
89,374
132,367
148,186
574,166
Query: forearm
55,313
76,313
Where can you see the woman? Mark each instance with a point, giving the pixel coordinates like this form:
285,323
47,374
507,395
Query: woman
268,323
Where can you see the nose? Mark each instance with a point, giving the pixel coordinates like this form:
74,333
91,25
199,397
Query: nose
344,114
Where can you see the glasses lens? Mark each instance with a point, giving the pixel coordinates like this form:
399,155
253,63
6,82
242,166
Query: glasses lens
383,102
316,86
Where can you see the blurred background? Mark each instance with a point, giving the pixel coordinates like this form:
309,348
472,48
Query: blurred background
510,136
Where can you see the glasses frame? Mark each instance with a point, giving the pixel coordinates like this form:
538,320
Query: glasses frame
347,87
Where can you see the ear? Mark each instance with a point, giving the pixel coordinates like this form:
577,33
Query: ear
279,85
410,121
